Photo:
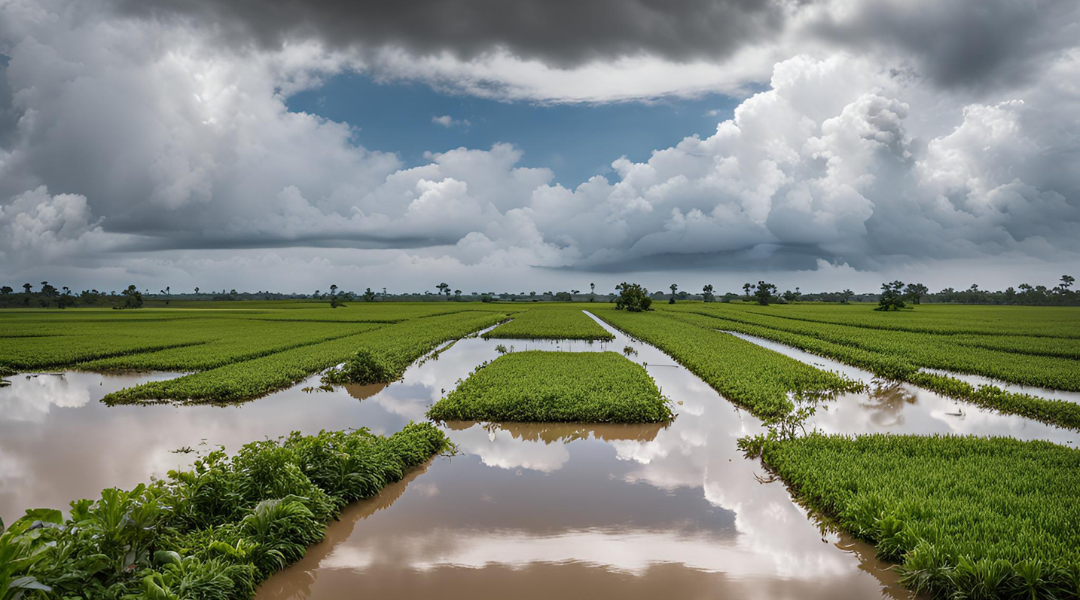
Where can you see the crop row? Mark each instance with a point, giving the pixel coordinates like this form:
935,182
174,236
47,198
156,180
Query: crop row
250,342
745,373
558,322
402,343
967,517
1039,321
79,342
920,350
378,312
535,386
897,367
211,533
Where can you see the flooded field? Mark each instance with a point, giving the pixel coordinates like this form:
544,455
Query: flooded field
898,407
536,510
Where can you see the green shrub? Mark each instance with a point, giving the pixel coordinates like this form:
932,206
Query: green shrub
213,532
364,367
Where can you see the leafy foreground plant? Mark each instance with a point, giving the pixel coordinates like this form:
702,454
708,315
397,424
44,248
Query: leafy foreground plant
967,517
536,386
214,532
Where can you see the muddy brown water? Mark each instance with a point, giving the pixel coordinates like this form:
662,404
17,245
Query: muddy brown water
524,510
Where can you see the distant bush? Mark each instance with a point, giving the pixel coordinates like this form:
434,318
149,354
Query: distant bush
363,368
632,297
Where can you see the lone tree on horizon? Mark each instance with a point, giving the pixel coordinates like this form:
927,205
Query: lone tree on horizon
674,288
765,293
892,296
632,298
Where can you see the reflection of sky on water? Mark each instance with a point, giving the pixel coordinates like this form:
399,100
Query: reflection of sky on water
898,407
978,380
591,500
538,506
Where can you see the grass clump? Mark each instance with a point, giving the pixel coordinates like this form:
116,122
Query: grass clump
536,386
364,367
211,533
967,517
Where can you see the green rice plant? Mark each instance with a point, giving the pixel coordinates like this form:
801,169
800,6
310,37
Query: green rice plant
558,322
537,386
966,517
213,532
937,319
903,366
745,373
399,344
921,350
254,340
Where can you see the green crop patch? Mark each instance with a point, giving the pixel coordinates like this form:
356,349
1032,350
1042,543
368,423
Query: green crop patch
967,517
399,344
214,532
745,373
557,322
899,356
536,386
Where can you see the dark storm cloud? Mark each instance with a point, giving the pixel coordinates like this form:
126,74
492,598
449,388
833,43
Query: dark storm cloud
563,32
989,43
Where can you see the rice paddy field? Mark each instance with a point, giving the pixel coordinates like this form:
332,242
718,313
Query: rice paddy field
273,450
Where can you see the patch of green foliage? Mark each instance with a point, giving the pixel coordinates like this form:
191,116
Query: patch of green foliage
536,386
399,344
899,355
966,517
364,367
211,533
235,344
745,373
632,298
551,322
938,319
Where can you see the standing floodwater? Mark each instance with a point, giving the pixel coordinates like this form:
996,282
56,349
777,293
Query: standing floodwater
571,510
529,510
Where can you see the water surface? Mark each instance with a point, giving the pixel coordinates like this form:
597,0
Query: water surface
523,510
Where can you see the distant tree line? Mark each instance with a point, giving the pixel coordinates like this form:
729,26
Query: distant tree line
893,296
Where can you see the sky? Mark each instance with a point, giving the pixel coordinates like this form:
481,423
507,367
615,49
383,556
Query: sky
538,145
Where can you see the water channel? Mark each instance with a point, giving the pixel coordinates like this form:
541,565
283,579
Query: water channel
532,511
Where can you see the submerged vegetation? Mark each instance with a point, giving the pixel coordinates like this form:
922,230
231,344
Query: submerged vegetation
396,347
211,533
902,355
749,375
536,386
966,517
